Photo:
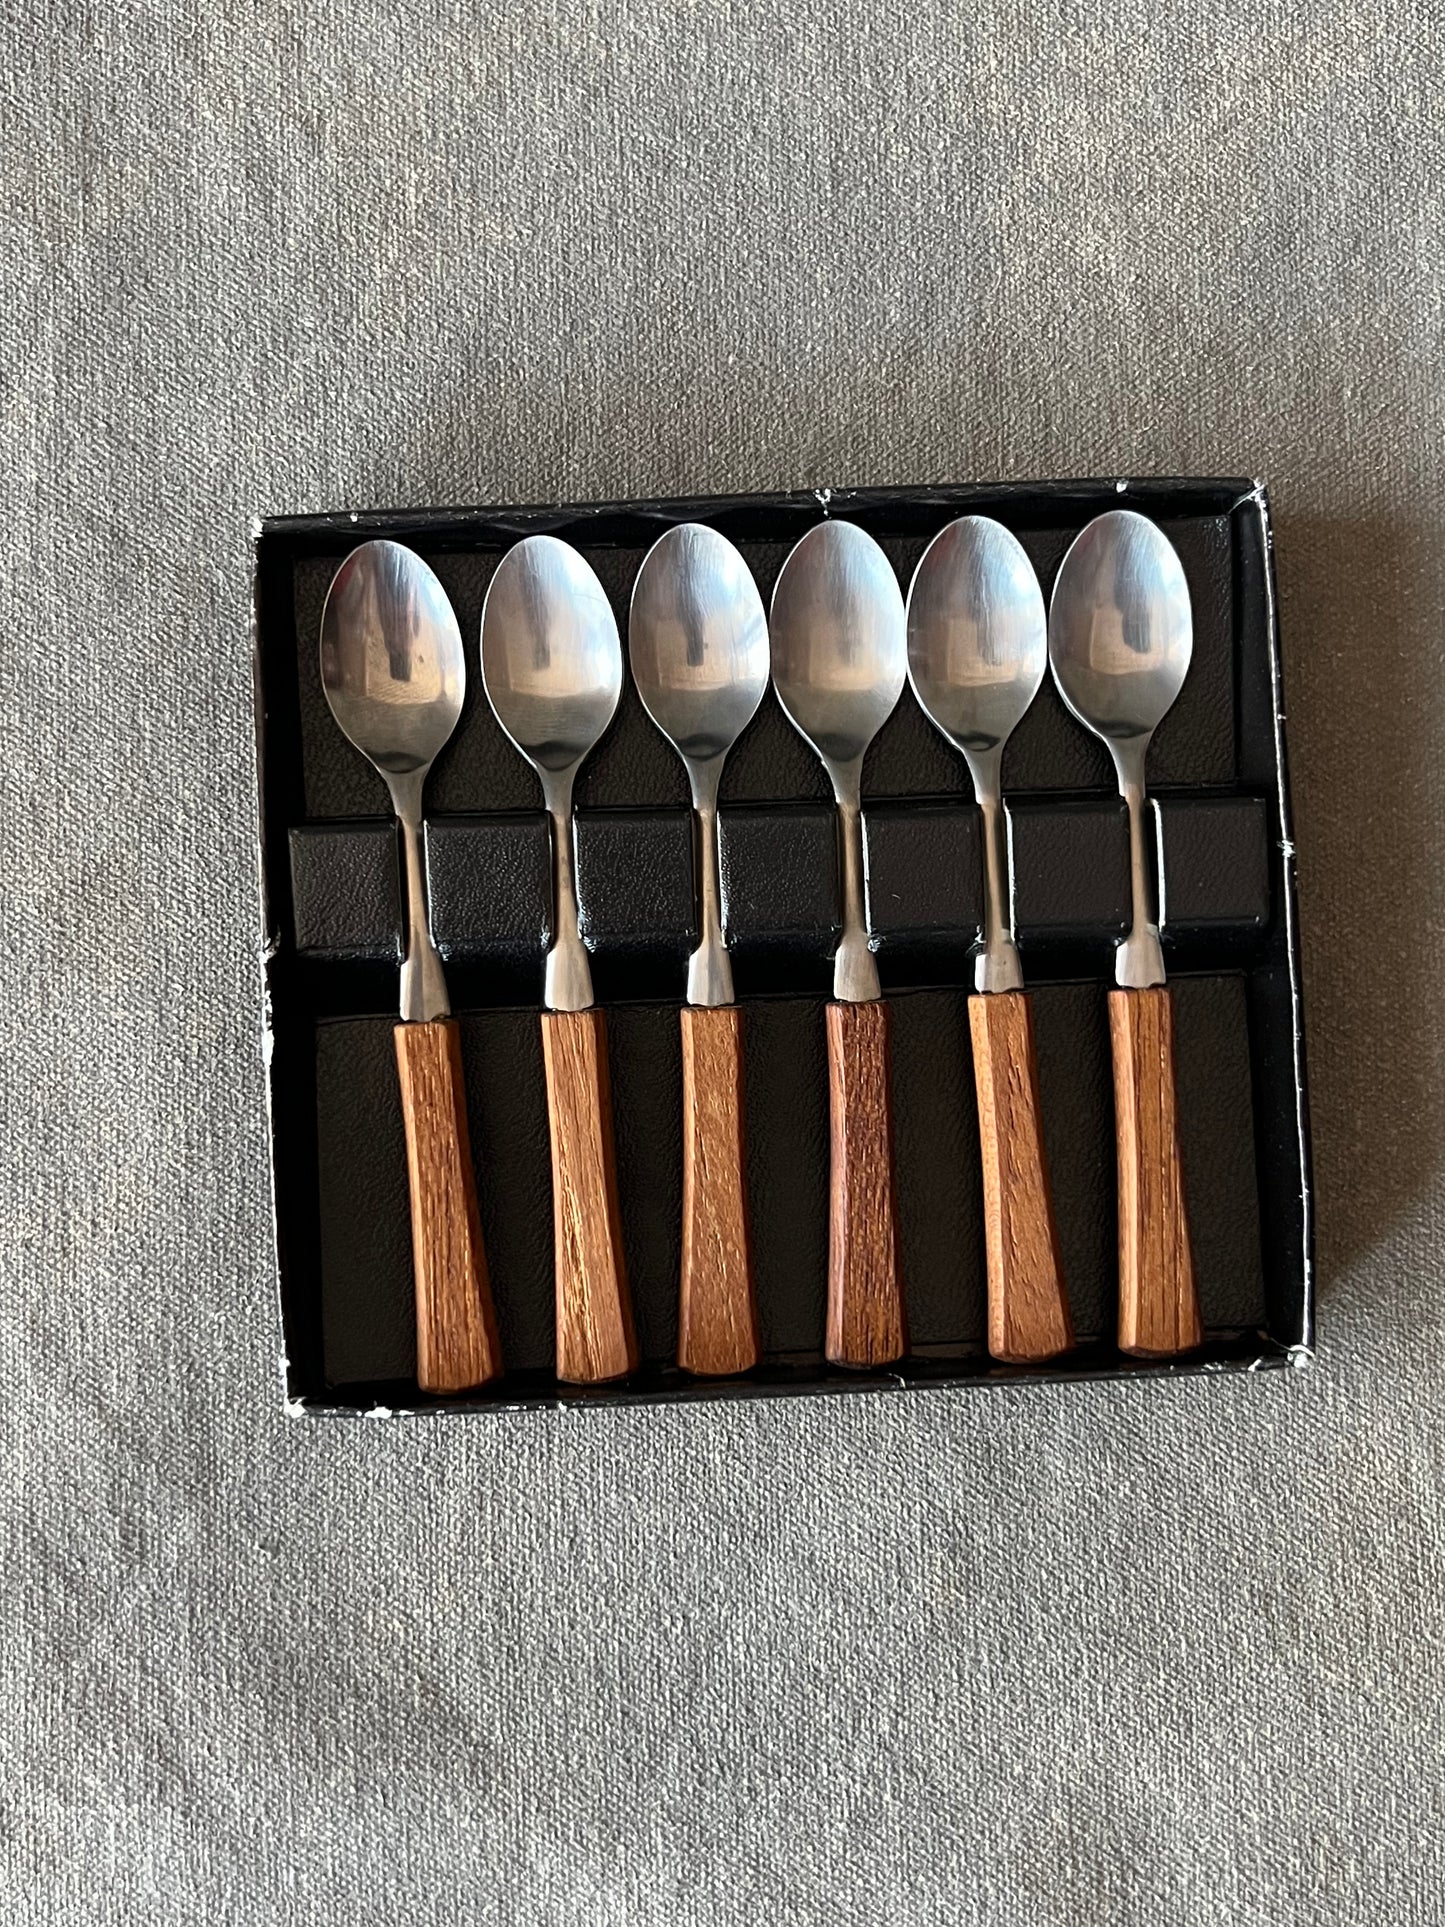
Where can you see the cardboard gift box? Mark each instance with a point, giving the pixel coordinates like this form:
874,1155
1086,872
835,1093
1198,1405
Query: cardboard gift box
332,909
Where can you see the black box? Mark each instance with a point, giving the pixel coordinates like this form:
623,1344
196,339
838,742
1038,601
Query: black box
329,858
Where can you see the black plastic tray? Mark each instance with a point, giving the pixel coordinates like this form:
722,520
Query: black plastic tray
330,883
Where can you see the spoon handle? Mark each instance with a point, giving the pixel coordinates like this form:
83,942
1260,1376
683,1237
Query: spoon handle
595,1338
456,1327
1158,1308
867,1323
1028,1312
717,1332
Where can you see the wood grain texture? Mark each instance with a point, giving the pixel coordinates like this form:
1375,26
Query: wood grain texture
717,1332
595,1337
456,1327
1028,1312
1158,1307
867,1323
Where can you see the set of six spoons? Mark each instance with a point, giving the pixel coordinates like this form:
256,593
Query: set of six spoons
975,641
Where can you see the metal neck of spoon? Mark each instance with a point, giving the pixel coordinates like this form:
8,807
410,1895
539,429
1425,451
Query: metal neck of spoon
709,968
567,983
1139,961
855,970
996,966
423,985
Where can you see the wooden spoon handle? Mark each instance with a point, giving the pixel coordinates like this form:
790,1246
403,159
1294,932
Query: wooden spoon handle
456,1327
1028,1313
867,1323
595,1338
1158,1308
717,1332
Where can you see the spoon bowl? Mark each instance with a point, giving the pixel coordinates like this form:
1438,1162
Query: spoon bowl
978,637
839,642
551,659
698,642
1120,627
391,657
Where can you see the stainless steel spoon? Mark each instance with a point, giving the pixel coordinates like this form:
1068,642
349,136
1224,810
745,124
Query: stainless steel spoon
1120,642
977,653
552,668
394,675
978,648
840,656
698,643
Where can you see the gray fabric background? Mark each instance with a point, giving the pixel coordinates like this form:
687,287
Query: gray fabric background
1143,1655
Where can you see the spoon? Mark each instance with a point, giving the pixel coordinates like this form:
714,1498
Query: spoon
840,655
977,651
393,672
552,668
1120,641
698,643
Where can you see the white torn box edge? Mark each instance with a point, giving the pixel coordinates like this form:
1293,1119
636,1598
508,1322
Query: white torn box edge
1301,1356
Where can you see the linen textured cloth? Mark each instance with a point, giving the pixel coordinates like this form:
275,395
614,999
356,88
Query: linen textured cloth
1133,1654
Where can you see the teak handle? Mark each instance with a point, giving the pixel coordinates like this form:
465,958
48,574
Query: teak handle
456,1327
595,1339
867,1323
717,1332
1028,1313
1158,1308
